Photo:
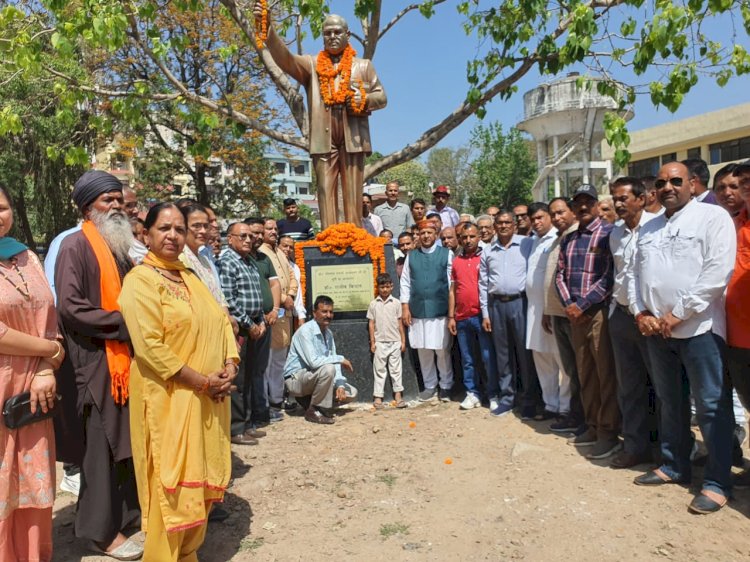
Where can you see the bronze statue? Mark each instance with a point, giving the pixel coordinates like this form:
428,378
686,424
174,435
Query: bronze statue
342,91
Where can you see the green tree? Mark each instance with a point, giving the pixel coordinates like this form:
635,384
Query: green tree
452,167
412,177
504,168
32,167
664,46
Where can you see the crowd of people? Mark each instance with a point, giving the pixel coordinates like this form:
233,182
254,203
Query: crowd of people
161,346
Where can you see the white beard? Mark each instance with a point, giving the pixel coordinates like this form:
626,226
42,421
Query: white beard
114,227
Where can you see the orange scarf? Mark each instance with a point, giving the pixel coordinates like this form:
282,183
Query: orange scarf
118,353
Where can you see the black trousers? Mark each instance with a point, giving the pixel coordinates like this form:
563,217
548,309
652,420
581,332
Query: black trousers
250,403
108,501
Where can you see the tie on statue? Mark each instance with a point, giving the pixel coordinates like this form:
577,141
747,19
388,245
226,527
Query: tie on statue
342,91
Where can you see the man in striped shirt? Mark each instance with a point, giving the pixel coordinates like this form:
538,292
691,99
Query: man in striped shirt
584,282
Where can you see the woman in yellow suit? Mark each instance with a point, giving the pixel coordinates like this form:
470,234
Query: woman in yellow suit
185,359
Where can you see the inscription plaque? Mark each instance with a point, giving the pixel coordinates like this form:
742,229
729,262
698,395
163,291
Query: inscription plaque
350,286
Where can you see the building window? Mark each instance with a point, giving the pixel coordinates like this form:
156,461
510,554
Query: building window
299,170
694,152
280,167
282,189
729,150
666,158
643,168
302,190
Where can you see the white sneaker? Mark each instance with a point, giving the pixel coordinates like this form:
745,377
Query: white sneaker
470,402
71,483
494,404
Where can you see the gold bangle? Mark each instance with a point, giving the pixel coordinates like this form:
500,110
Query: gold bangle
59,349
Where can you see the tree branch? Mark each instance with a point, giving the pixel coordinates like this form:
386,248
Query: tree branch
208,103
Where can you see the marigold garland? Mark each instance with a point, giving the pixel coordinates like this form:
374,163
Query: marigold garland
337,239
327,72
261,27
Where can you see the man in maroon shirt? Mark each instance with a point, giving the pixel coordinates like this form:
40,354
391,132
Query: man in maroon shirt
465,319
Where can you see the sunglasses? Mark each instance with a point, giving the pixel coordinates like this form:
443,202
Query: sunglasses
243,236
659,184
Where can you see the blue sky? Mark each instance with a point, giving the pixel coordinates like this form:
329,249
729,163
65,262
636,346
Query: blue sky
422,65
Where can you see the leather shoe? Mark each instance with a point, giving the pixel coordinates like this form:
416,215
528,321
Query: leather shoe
253,432
627,460
244,439
314,416
651,478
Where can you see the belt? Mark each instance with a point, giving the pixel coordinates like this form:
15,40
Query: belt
624,308
507,298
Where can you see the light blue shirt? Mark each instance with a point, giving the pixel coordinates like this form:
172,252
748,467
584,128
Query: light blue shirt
310,350
51,258
502,271
208,253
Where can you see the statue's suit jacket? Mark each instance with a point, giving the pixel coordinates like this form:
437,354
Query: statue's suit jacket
356,128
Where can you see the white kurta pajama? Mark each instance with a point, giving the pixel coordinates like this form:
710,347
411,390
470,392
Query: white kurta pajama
553,380
430,336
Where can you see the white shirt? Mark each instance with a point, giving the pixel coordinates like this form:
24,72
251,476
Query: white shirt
406,273
683,264
426,333
377,224
536,338
299,307
622,244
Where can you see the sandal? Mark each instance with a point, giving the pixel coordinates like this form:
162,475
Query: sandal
707,501
655,477
128,550
378,405
401,404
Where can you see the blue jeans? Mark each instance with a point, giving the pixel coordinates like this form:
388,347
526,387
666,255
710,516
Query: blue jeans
470,334
680,365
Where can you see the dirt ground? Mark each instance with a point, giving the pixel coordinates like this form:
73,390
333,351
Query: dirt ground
436,483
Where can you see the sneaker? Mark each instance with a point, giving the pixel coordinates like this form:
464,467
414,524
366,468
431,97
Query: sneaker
494,404
470,402
71,483
585,439
275,415
427,394
501,410
565,424
444,394
604,448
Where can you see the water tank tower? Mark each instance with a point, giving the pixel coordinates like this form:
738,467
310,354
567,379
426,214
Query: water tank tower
566,122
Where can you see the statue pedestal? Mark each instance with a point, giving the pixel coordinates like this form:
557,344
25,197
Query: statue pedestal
349,282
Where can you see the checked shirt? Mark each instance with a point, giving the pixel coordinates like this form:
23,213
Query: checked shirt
240,282
584,267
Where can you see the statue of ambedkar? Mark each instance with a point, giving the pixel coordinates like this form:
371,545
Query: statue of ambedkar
342,91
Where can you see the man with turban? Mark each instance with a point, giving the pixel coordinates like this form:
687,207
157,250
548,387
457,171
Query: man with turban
89,270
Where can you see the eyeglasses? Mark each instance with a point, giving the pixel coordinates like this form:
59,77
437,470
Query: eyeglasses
198,226
243,236
522,216
676,181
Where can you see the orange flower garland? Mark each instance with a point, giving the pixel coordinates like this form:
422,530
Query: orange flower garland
327,73
261,28
338,239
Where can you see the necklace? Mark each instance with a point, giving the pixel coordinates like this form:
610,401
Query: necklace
160,272
25,294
